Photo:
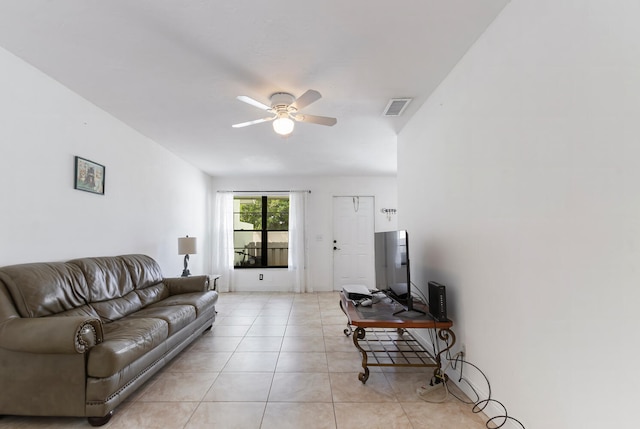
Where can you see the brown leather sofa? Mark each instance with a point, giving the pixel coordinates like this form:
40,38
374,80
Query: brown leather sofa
78,337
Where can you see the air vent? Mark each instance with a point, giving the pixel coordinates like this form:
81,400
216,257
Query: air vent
396,106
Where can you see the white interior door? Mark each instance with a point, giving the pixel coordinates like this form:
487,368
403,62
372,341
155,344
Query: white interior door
353,241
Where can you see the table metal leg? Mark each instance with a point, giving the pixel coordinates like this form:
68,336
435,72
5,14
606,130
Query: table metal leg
359,334
348,330
449,339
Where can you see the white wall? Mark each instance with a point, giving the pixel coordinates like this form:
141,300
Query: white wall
528,211
151,196
320,221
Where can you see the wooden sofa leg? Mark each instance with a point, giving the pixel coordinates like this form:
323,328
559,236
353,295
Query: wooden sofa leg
99,421
208,329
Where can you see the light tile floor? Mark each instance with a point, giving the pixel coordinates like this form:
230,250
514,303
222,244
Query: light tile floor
277,360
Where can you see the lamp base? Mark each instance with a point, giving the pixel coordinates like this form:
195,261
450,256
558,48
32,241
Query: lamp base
185,272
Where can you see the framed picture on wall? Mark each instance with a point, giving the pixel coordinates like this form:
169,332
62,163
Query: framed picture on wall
89,176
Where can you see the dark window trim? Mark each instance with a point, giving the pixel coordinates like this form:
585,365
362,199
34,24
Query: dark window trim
264,235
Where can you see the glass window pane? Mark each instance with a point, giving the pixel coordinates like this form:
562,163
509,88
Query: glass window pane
247,248
278,248
278,213
252,224
247,213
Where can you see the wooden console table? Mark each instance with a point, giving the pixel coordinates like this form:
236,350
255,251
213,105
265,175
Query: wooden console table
382,338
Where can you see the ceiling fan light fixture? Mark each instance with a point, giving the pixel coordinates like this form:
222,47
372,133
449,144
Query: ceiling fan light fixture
283,125
285,109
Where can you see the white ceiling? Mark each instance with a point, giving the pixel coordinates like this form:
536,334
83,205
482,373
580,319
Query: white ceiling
172,69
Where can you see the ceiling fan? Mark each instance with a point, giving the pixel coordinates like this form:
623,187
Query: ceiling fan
284,108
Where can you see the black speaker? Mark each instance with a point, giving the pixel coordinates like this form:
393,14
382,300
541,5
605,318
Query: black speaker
438,301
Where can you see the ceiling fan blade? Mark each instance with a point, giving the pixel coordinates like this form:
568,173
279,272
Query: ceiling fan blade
257,121
313,119
305,99
253,102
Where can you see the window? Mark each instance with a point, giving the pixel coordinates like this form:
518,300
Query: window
261,231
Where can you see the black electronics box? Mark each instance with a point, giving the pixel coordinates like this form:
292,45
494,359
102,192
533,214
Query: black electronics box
438,301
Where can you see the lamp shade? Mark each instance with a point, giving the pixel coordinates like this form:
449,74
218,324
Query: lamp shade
283,125
186,245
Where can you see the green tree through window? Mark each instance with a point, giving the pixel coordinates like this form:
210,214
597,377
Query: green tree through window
277,214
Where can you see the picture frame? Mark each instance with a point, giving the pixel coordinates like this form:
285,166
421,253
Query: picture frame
89,176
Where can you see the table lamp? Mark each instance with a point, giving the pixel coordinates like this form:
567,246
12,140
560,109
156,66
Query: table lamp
186,247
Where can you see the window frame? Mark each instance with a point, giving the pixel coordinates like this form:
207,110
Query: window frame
264,232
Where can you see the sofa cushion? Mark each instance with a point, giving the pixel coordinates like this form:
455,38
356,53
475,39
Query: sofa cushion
111,282
125,341
117,308
153,294
144,271
202,301
177,316
107,277
43,289
84,310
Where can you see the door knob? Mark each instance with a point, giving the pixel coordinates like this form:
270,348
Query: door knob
335,248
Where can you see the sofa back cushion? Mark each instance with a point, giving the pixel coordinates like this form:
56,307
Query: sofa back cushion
113,287
144,270
153,294
121,285
147,278
107,277
44,289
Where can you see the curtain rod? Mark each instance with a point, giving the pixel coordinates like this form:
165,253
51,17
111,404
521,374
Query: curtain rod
267,192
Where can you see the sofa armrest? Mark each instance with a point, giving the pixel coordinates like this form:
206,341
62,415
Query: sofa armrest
58,335
178,285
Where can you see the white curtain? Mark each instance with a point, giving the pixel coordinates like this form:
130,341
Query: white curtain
298,241
223,240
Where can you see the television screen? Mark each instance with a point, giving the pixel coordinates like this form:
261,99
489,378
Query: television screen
392,263
393,273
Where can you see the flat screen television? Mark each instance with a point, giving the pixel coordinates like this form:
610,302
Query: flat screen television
392,267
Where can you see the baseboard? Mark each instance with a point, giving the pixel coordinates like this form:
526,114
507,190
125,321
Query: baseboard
492,409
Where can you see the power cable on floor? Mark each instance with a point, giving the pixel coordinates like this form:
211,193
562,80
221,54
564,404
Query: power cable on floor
439,383
479,405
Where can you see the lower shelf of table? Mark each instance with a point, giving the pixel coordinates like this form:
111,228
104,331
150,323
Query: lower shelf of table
390,347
